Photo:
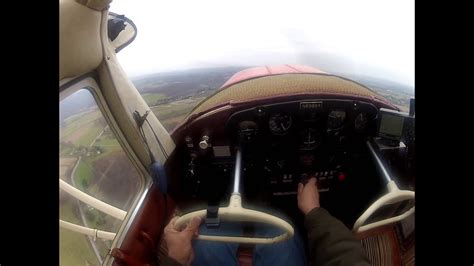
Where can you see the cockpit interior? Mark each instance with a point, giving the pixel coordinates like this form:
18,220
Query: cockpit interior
237,156
285,140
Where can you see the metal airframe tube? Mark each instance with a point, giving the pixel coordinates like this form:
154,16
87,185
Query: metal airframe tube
237,171
379,162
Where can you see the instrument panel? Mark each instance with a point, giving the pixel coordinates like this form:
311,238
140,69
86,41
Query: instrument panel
311,123
282,144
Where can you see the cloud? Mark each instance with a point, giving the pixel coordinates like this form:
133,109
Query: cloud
363,36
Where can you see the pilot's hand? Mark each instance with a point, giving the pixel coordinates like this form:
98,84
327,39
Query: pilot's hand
308,196
179,242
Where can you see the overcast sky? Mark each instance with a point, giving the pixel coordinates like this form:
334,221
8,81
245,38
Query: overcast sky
371,37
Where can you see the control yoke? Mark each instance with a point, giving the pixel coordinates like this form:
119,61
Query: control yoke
393,197
236,213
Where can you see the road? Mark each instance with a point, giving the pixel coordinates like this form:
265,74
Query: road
80,204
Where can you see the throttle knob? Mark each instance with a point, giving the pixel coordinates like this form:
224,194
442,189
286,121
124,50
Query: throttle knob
204,143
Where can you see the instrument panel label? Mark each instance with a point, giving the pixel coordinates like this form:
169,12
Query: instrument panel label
221,151
311,105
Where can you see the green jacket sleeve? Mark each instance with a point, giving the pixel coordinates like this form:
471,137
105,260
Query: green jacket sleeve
330,242
168,261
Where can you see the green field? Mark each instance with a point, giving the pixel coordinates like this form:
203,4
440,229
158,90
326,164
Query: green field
108,150
96,218
171,123
83,175
152,98
81,130
107,141
173,113
74,248
87,138
64,151
84,180
76,122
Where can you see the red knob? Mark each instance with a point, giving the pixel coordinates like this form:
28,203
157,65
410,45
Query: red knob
341,176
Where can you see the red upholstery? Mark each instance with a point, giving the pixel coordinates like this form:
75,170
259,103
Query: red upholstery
269,70
245,256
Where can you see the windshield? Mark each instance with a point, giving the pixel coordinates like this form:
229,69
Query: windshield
183,52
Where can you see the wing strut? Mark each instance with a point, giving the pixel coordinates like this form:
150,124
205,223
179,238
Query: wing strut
91,201
86,230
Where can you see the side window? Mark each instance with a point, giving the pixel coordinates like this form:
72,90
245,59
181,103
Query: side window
91,160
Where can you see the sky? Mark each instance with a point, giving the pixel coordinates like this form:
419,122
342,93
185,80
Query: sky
366,37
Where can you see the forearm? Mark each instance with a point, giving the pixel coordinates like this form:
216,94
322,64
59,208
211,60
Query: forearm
330,242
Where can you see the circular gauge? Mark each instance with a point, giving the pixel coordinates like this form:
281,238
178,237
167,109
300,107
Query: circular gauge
247,130
336,119
309,139
361,122
279,124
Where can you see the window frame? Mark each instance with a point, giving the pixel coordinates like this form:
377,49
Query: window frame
89,82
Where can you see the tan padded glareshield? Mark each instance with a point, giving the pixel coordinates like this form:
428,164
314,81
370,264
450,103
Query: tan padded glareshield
284,84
